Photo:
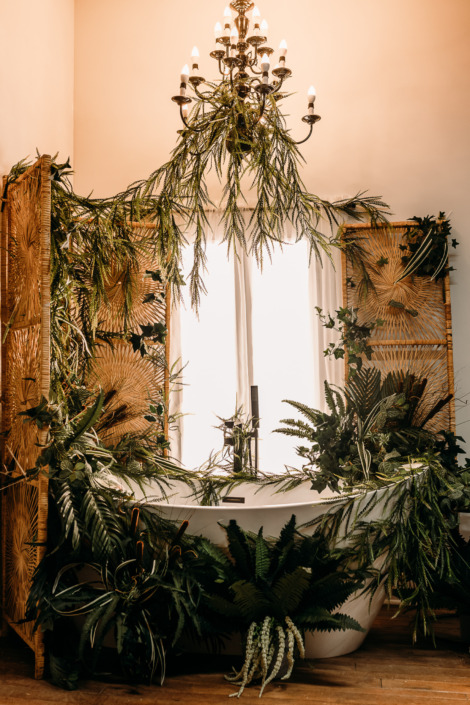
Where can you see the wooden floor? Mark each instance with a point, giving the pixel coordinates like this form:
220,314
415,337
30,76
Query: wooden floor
386,670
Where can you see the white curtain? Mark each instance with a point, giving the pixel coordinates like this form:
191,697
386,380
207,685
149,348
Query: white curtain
254,328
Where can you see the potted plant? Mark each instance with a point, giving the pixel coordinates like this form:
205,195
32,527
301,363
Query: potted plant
133,590
273,591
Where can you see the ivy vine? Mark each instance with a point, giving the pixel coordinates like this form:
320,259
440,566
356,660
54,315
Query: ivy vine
354,337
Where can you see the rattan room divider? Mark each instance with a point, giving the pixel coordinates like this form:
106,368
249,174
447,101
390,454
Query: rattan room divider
25,362
416,335
123,374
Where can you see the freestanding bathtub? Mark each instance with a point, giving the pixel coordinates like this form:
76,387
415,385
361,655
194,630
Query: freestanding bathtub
254,506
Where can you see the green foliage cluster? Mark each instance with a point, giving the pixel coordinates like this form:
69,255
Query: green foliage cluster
426,250
293,575
134,584
354,337
369,433
410,534
91,238
272,588
257,161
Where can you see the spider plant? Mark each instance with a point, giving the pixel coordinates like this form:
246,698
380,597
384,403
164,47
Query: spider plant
137,587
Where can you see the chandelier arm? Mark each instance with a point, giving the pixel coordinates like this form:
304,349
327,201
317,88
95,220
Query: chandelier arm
278,86
212,118
187,125
202,97
306,138
262,107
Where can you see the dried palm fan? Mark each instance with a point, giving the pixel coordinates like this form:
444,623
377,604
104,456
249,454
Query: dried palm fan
22,392
145,293
129,382
412,309
24,252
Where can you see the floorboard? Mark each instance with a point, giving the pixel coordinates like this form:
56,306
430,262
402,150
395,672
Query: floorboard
387,670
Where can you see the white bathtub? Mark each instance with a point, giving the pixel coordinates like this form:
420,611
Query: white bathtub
253,507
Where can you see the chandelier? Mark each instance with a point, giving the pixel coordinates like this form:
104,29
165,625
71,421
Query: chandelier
244,61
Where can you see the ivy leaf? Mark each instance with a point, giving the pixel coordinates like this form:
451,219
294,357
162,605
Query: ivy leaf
138,344
396,304
156,276
40,413
156,331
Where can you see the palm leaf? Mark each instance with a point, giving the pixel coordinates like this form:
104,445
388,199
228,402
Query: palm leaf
363,390
70,516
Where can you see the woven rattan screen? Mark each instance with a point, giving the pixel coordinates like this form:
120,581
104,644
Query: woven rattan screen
129,380
25,291
417,332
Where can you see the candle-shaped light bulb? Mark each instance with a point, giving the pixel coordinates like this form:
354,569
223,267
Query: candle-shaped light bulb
282,52
264,27
311,99
218,30
184,79
227,22
265,67
265,63
256,19
185,110
195,61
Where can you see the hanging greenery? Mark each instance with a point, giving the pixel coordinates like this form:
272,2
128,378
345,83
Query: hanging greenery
257,162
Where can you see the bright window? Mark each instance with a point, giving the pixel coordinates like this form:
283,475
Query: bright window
254,328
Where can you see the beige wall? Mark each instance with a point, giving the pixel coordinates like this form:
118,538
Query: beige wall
36,79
